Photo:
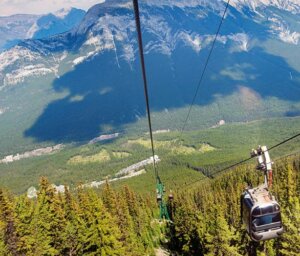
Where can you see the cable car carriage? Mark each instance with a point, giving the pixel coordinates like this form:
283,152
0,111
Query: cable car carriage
260,212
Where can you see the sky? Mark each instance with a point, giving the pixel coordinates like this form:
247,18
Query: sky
9,7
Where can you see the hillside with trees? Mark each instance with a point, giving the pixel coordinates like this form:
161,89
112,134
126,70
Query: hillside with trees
107,221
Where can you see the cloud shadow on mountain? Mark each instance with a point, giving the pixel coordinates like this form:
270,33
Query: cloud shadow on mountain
101,94
108,92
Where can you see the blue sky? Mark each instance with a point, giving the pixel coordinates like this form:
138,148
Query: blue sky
9,7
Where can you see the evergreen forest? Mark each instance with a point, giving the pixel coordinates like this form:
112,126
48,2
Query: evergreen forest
119,221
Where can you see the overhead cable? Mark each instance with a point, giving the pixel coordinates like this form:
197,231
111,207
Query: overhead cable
245,160
205,67
141,51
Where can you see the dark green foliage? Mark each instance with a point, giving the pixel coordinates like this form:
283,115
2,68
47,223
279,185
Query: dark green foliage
188,225
83,223
8,225
206,219
231,142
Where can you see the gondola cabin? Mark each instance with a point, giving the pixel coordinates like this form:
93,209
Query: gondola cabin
261,214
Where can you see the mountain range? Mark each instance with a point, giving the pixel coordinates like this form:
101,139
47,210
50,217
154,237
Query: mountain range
18,27
75,85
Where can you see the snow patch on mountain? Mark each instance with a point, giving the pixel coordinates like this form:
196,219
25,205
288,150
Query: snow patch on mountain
17,54
218,5
85,57
62,57
198,42
128,53
92,40
99,43
19,75
193,40
19,63
165,41
215,5
281,29
288,5
105,90
30,33
241,42
108,33
23,26
118,31
107,29
79,60
289,37
115,31
62,13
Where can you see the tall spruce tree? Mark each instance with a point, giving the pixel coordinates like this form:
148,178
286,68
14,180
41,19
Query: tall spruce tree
74,228
24,212
290,241
8,223
102,235
118,208
221,239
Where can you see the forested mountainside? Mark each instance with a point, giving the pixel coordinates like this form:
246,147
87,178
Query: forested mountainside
61,94
206,219
75,86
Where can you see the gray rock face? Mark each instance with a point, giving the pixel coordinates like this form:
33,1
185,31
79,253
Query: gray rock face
32,192
96,65
16,28
110,26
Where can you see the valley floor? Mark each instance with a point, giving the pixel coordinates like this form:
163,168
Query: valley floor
211,148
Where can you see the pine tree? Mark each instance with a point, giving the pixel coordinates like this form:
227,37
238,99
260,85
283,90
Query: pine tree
221,239
133,246
48,223
74,227
290,241
24,211
109,199
102,236
141,219
132,218
3,247
185,236
8,221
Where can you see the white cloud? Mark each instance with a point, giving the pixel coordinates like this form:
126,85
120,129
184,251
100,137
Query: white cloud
9,7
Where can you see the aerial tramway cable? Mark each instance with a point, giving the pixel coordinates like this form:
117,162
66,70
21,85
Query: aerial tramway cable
273,228
160,189
204,70
243,161
141,51
205,67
